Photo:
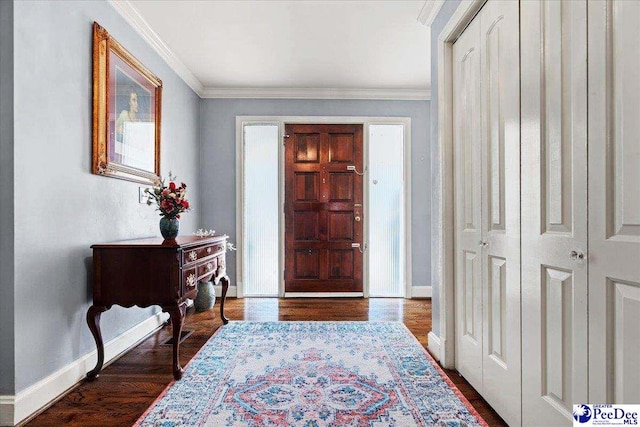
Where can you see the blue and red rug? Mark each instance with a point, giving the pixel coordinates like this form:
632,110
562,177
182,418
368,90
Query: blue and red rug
312,374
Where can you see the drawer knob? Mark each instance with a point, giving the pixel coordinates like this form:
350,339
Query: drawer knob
209,266
208,250
193,255
191,280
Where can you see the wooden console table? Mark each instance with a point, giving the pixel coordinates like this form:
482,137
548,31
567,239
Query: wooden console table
154,271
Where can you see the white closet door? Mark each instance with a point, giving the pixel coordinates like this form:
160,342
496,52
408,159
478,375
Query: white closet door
614,201
554,210
500,258
468,224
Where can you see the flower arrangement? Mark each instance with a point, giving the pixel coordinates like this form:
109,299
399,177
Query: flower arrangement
170,199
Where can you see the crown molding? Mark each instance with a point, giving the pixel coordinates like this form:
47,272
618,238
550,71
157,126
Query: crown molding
318,93
133,17
430,11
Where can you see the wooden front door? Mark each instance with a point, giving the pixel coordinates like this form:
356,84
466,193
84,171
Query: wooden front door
323,208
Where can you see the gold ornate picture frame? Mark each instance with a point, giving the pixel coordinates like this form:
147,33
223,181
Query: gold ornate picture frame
127,103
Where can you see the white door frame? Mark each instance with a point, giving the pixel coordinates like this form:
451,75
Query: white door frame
444,266
280,121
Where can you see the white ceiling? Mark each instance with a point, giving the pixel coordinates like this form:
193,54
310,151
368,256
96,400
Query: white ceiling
224,48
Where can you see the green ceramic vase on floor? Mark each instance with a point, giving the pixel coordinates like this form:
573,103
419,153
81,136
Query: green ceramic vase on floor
206,297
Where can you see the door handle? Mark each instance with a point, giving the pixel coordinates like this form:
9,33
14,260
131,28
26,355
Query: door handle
483,244
577,255
357,218
353,169
357,245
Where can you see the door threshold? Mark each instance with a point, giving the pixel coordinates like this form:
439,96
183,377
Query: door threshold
323,294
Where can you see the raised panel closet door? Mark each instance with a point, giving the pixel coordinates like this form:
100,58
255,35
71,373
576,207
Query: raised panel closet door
554,210
614,201
500,177
467,188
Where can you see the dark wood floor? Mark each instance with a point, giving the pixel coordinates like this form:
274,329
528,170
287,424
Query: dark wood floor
129,385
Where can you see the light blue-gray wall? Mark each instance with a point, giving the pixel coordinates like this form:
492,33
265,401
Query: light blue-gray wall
7,197
61,207
441,20
218,159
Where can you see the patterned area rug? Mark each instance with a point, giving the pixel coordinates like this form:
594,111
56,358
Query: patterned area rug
312,374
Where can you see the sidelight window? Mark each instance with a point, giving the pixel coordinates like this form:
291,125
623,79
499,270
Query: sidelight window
386,210
260,210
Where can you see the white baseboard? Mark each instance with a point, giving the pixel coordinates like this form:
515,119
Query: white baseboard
421,292
7,404
29,401
433,344
231,292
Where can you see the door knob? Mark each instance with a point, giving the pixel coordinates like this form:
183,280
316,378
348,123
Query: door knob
357,218
577,255
483,244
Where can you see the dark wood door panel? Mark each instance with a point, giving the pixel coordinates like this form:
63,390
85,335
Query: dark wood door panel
307,263
307,186
307,148
341,263
306,226
322,199
340,226
341,186
342,148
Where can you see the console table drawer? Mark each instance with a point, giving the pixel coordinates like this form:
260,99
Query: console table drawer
207,268
194,255
189,278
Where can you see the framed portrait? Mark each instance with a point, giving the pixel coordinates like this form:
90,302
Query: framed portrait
126,113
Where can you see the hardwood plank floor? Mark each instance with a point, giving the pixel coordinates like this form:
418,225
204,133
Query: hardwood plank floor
130,384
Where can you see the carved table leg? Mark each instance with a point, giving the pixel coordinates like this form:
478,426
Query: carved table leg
225,288
177,318
93,320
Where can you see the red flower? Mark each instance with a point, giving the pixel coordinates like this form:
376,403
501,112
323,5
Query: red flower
172,186
178,216
185,204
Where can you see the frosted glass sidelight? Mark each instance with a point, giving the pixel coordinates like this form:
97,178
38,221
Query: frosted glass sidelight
260,215
386,211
